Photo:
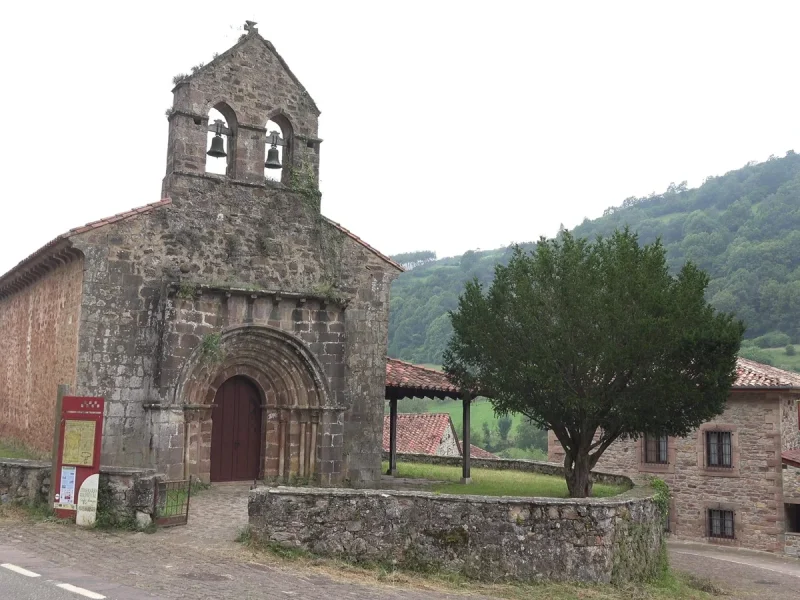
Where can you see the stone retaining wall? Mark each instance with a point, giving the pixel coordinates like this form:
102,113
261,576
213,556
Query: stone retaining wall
510,464
525,539
129,491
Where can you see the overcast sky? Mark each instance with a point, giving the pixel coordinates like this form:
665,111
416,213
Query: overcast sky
447,126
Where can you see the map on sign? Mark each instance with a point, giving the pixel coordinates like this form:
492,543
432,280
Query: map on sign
78,443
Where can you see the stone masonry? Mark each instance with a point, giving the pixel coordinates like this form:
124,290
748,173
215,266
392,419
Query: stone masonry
229,275
127,491
524,539
762,424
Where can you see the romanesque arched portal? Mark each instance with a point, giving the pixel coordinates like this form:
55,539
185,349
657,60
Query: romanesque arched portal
298,420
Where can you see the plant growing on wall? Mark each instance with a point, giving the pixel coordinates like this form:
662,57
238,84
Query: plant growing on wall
211,348
596,341
186,291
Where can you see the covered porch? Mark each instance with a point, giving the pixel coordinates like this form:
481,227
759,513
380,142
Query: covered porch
407,380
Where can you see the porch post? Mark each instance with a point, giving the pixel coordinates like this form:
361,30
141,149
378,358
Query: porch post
465,442
392,437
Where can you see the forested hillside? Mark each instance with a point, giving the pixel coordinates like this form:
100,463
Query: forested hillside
743,228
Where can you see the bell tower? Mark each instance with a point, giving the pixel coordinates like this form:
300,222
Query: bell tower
250,85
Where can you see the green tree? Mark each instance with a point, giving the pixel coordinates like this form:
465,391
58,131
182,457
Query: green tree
487,436
596,341
529,436
504,426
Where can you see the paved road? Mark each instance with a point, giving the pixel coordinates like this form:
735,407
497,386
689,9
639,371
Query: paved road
200,561
27,577
742,574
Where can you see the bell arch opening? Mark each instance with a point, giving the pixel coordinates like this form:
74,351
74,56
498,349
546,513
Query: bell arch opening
299,426
220,140
279,149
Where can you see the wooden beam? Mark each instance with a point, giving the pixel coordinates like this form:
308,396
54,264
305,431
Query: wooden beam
465,442
392,437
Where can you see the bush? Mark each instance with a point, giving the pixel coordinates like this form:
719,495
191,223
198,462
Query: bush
773,339
790,351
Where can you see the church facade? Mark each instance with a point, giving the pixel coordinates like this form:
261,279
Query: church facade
234,331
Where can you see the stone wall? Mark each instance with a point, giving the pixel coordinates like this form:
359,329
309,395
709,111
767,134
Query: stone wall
448,445
26,481
752,488
792,546
790,428
791,484
591,540
126,491
38,351
509,464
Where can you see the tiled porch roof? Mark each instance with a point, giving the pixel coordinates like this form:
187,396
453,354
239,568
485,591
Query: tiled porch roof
791,457
401,374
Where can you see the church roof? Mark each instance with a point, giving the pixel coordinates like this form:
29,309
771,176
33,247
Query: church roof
357,239
27,271
30,268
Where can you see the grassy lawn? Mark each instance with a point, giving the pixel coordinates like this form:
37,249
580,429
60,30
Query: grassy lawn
781,360
490,482
11,449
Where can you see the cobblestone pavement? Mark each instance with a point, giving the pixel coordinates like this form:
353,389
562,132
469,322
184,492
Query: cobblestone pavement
200,561
740,573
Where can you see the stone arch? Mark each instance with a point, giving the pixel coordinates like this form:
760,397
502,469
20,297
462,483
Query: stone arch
297,409
230,124
280,118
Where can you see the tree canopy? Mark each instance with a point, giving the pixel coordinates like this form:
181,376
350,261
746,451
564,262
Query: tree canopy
742,228
595,340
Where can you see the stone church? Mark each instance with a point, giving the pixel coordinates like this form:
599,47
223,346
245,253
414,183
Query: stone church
234,331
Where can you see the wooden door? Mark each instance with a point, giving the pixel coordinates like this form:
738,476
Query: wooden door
236,431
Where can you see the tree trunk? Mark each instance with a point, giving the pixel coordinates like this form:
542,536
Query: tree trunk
577,473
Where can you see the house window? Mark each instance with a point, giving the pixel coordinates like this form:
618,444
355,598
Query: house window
792,518
655,449
720,524
718,449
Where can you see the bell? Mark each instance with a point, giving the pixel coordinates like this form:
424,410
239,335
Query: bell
273,160
217,149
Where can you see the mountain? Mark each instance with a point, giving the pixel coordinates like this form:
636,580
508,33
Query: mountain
743,228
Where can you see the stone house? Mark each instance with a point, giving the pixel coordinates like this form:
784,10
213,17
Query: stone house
732,479
234,331
428,433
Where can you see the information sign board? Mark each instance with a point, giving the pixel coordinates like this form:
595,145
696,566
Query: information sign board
78,466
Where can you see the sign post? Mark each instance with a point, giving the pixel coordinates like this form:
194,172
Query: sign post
78,466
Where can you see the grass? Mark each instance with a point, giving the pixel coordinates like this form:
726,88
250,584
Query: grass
491,482
13,449
781,360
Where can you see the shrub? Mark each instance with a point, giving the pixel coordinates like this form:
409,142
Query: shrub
790,351
773,339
